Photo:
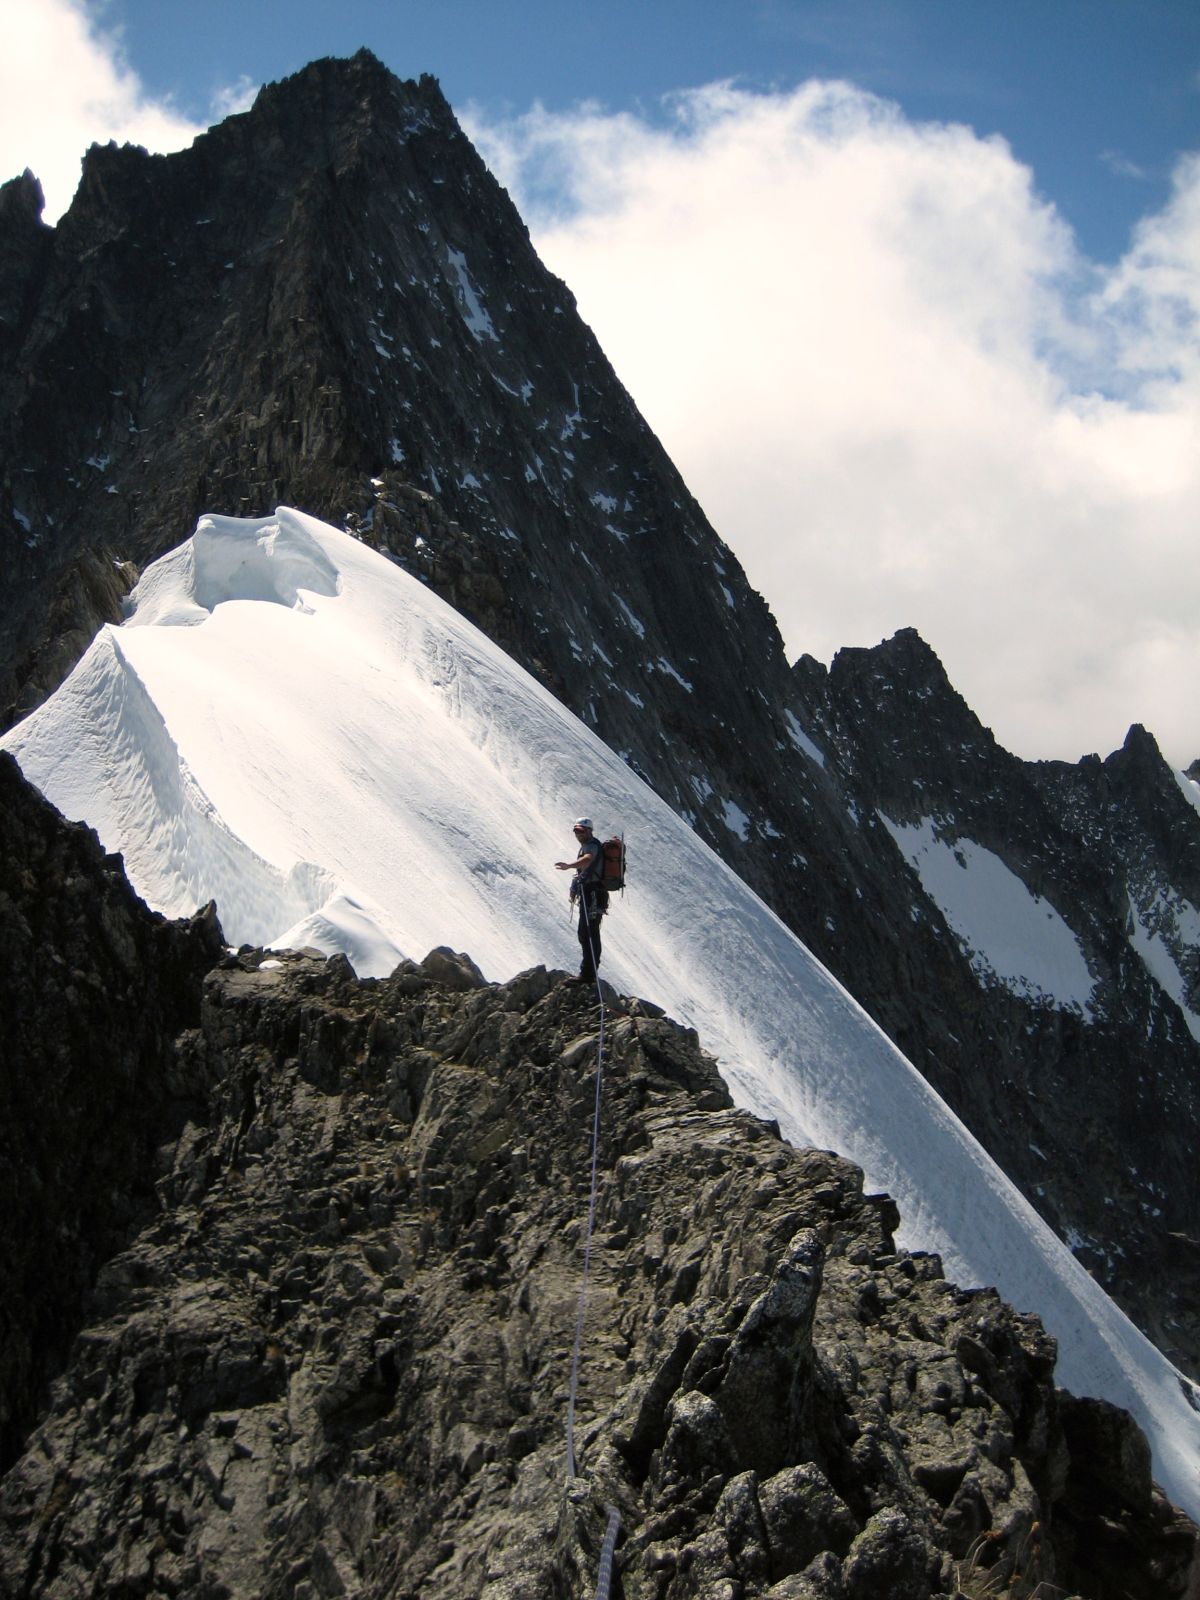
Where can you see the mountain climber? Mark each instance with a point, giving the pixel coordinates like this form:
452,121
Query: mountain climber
591,895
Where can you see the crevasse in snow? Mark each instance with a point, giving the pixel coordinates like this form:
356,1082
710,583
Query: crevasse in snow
290,724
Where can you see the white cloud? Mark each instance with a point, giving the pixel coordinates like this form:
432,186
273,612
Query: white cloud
899,392
1123,166
64,85
234,98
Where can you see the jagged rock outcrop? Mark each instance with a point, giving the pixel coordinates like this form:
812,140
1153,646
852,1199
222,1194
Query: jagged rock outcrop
95,988
25,241
329,301
336,1360
329,1349
90,592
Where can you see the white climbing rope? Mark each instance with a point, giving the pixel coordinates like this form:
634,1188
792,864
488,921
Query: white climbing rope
604,1578
591,1220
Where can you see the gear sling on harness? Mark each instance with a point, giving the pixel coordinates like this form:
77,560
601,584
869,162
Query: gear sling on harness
589,888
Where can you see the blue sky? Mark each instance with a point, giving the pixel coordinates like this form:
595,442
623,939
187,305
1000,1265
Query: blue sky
1097,96
910,289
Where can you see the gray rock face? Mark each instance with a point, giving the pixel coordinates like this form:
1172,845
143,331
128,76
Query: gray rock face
24,243
335,1360
322,1343
329,302
95,988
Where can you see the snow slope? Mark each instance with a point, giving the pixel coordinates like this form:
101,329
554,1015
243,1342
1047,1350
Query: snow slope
291,725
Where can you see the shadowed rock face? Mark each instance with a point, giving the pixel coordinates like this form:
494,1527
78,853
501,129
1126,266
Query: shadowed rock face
328,301
322,1342
94,989
1111,846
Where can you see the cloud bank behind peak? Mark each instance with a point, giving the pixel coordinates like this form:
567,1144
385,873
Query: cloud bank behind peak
900,391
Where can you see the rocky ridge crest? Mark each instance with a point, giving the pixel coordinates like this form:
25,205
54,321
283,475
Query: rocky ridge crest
327,1350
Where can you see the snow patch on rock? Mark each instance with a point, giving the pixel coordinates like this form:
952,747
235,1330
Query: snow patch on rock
1007,932
1162,931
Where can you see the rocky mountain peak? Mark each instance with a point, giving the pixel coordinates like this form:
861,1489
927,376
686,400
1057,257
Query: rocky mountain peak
895,709
340,88
901,671
112,198
24,241
22,201
1139,753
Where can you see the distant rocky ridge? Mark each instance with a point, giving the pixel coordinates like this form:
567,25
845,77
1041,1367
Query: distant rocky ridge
1093,1116
320,1343
329,302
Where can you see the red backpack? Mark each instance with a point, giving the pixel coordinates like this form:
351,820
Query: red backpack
612,863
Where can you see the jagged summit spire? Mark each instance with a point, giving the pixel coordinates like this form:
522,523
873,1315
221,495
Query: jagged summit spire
1140,741
900,690
307,117
21,197
358,74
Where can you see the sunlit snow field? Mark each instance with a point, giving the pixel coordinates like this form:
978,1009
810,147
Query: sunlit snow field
292,726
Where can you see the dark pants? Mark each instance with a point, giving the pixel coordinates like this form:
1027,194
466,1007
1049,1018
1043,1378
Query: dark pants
590,914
